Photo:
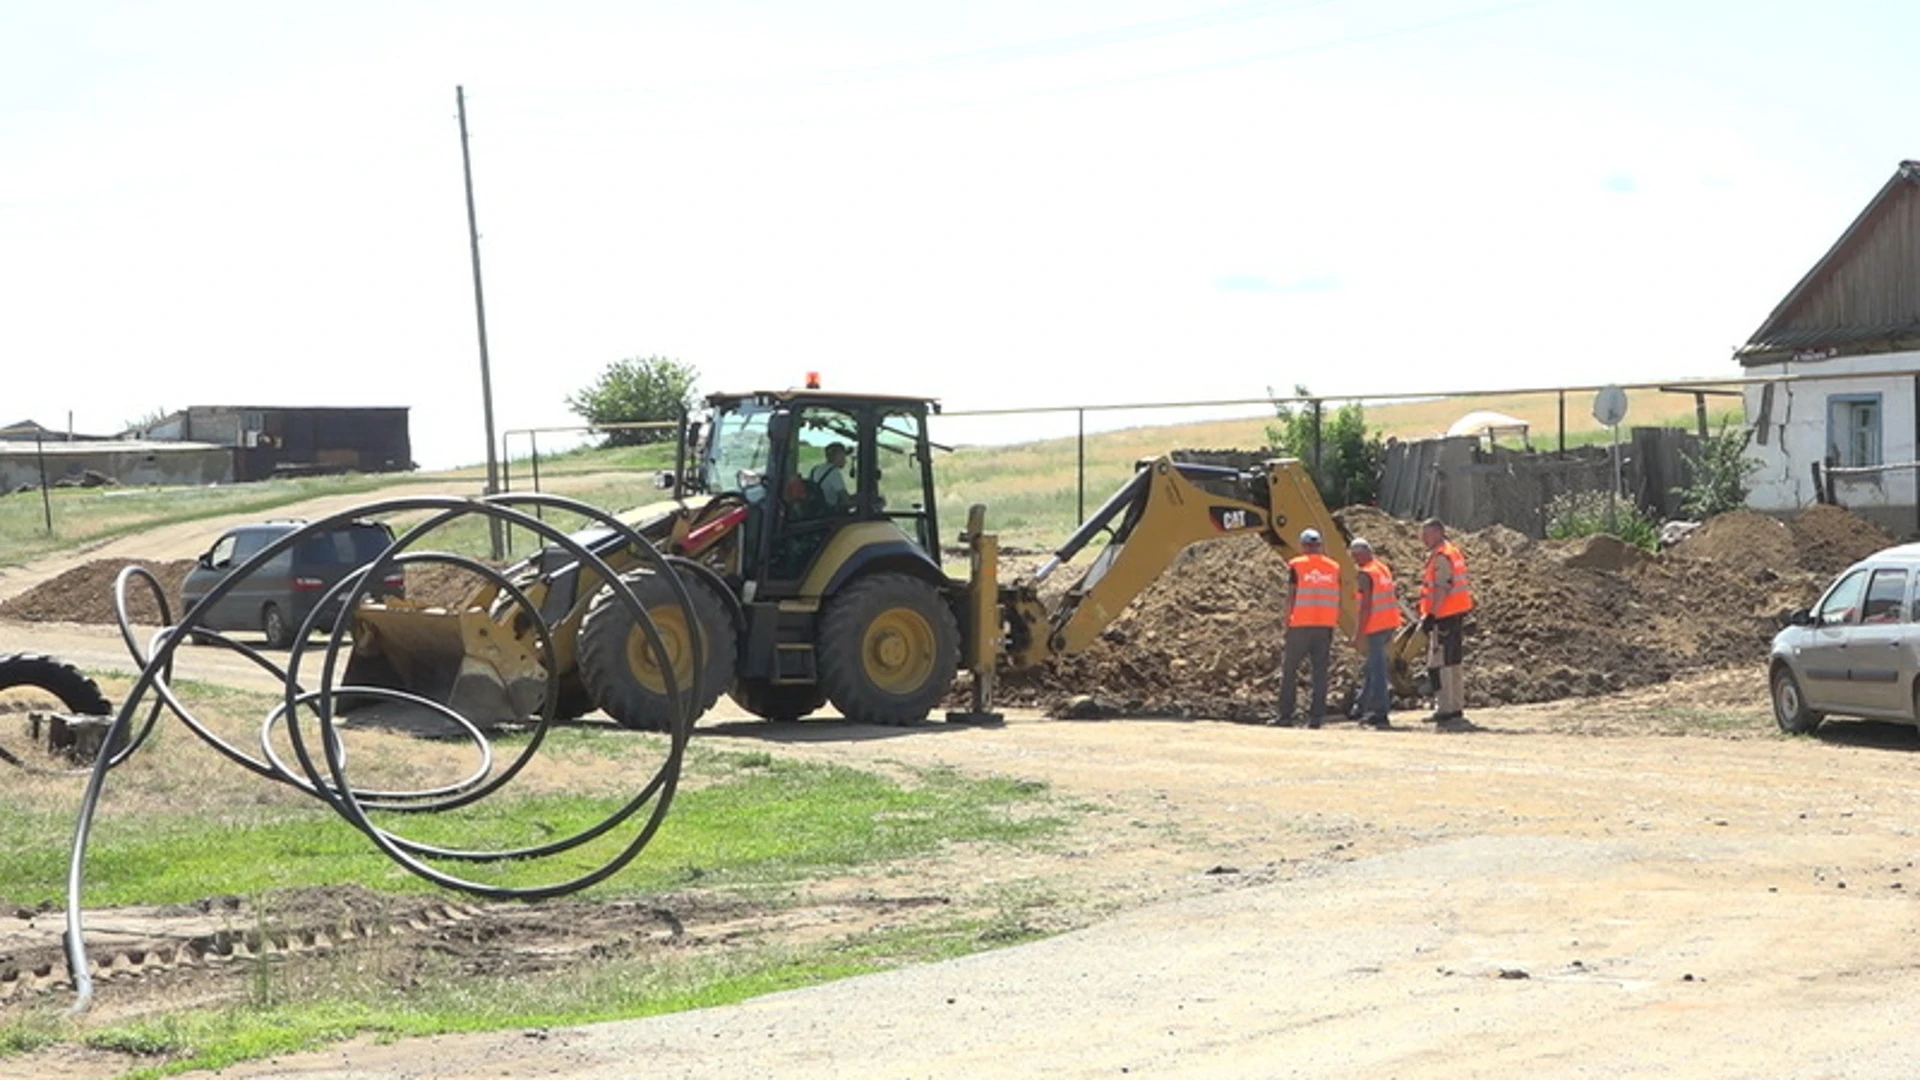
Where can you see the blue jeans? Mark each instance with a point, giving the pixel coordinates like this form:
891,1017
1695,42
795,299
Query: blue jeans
1374,698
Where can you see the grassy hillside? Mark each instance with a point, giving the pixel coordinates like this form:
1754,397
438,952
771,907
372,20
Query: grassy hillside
1029,488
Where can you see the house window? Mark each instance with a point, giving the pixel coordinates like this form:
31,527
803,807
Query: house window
1853,429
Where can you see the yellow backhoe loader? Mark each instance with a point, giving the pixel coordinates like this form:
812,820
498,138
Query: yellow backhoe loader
807,539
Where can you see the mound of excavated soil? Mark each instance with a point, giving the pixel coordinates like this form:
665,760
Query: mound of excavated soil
1552,619
84,594
1828,539
1820,540
1743,536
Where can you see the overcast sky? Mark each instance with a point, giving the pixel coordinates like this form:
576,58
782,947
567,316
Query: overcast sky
996,203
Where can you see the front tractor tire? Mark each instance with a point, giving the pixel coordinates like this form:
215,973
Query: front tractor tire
620,670
887,650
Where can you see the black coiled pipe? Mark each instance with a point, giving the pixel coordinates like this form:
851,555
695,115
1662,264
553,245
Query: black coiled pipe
325,775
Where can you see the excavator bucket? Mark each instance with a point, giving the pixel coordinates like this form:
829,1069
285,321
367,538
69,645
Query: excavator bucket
463,659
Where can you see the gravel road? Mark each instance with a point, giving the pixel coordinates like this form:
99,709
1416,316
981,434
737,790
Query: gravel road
1525,900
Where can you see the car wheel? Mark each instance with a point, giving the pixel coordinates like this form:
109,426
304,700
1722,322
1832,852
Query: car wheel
1790,706
274,625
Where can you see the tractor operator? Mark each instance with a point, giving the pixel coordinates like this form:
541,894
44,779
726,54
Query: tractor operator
830,476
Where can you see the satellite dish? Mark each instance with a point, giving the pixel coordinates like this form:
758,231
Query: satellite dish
1610,406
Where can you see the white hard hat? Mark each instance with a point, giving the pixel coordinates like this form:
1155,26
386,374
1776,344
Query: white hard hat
1359,543
1309,536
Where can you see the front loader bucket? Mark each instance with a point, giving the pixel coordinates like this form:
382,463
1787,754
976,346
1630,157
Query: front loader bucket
463,659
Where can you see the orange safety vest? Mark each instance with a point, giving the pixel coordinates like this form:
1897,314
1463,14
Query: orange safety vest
1316,591
1459,599
1382,612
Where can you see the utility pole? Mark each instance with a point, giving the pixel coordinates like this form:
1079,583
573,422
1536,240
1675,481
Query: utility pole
480,317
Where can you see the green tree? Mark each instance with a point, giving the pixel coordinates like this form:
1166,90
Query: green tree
1350,459
1721,469
635,390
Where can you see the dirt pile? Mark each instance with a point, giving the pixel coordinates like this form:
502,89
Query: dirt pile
1828,539
84,594
1553,619
1741,536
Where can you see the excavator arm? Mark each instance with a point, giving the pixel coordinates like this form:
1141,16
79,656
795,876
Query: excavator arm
1165,507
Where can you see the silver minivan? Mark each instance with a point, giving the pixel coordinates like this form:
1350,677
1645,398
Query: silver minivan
1857,651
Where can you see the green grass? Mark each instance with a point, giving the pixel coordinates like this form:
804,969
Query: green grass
745,824
774,823
92,515
656,985
586,459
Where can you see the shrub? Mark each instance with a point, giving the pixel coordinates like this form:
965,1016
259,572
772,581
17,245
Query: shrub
635,390
1575,514
1720,471
1350,459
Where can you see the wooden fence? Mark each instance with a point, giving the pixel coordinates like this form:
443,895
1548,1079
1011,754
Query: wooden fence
1471,486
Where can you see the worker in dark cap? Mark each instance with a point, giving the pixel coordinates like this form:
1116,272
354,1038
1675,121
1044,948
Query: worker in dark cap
1312,611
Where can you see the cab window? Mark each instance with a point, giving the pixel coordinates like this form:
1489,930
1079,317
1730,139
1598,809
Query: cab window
737,450
1842,603
898,472
1886,596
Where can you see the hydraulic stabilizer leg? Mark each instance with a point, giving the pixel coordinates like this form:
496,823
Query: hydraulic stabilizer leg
982,654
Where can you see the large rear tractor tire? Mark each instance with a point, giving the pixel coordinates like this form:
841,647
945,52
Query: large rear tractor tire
777,701
618,665
78,693
887,650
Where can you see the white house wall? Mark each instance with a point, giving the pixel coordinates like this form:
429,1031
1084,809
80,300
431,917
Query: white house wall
1796,433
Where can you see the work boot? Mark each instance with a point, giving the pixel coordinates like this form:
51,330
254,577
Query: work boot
1280,721
1454,722
1377,723
1314,723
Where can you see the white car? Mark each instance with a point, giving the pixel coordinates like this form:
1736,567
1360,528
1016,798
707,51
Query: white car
1857,651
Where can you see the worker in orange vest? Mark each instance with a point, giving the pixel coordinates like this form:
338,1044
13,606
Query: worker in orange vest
1312,611
1445,598
1379,609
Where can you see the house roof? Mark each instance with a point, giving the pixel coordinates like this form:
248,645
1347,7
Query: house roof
1863,296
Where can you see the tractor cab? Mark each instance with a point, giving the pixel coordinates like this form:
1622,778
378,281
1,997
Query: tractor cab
833,484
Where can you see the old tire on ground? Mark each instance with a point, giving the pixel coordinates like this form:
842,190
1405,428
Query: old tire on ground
64,681
618,665
887,650
777,701
273,625
1789,705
